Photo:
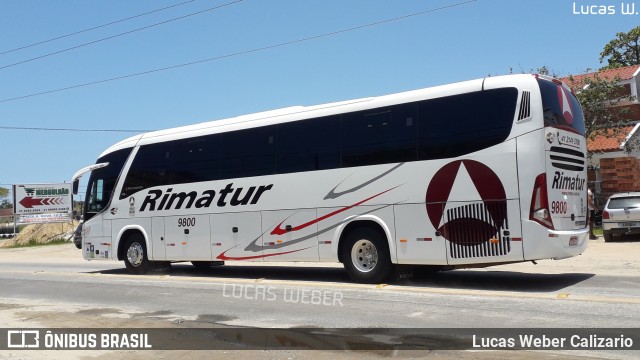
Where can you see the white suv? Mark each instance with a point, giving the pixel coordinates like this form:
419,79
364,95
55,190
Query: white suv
621,215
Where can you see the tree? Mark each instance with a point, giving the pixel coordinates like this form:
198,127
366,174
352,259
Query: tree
544,70
4,202
624,50
602,103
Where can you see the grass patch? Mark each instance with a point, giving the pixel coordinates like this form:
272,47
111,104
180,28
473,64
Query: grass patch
597,231
34,243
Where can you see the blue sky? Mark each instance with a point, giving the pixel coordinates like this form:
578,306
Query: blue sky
468,41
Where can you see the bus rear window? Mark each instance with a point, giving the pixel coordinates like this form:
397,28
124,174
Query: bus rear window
561,108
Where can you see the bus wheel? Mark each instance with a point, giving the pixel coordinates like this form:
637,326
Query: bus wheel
365,256
135,256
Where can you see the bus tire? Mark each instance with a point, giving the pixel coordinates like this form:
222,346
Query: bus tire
365,256
135,255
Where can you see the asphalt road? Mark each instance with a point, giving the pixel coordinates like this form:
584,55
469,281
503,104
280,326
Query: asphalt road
57,280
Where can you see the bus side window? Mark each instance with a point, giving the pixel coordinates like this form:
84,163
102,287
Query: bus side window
379,136
195,160
150,168
250,152
99,190
309,145
96,195
461,124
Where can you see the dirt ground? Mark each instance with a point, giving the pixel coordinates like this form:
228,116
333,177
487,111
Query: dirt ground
42,234
621,258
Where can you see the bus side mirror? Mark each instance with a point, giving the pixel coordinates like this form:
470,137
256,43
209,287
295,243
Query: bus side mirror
76,185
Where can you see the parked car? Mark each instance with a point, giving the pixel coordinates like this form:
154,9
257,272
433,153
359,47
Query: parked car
621,215
77,236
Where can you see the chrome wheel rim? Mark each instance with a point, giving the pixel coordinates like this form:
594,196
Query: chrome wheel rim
364,255
135,254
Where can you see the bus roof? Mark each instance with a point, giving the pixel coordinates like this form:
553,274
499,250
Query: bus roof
295,113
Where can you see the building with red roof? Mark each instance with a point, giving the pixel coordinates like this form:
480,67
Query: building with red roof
612,167
626,75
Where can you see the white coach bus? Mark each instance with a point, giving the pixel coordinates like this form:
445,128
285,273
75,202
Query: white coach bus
476,173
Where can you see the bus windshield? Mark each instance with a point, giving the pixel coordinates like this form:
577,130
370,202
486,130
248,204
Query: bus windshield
561,108
103,181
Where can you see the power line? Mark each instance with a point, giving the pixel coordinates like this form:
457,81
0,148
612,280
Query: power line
94,28
71,129
118,35
241,52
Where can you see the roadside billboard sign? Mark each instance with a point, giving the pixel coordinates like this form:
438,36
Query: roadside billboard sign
43,218
42,198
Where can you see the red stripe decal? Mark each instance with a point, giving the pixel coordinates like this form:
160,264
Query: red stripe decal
516,239
224,257
279,230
